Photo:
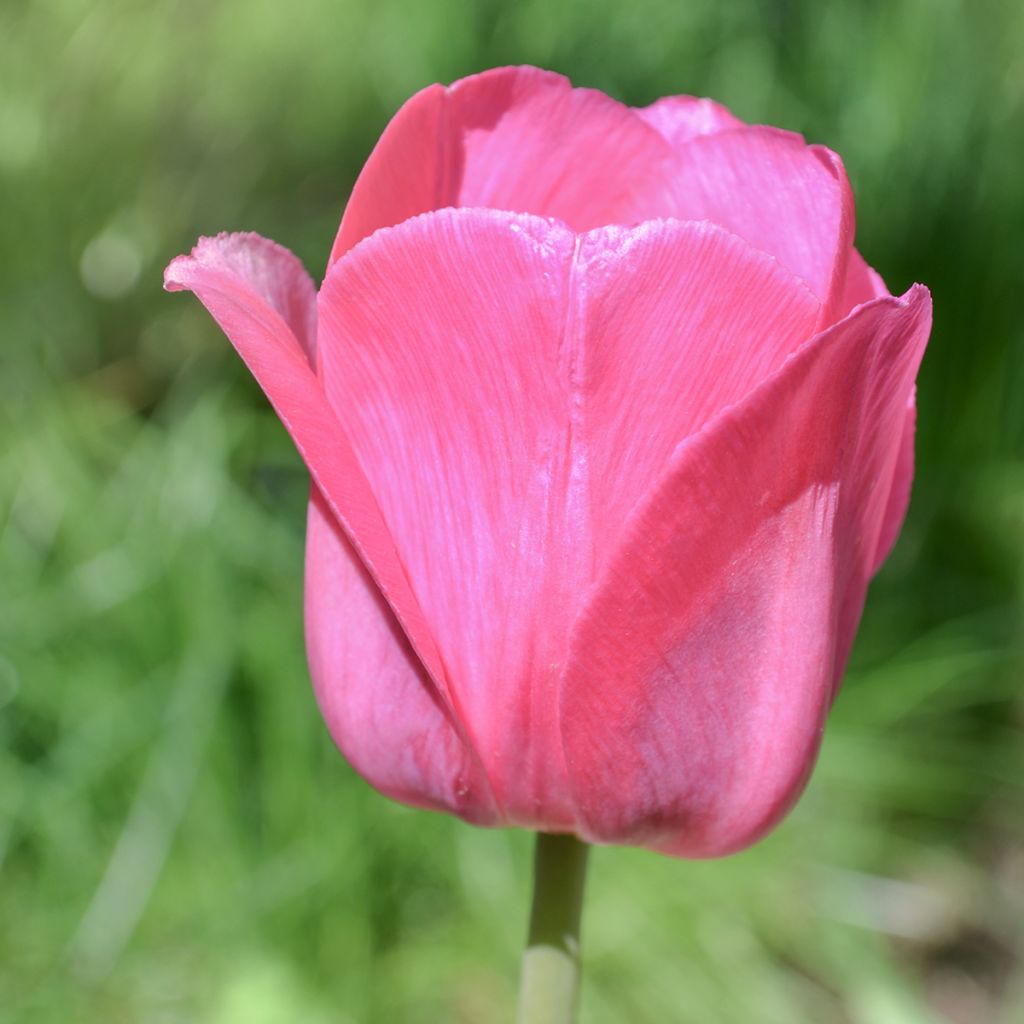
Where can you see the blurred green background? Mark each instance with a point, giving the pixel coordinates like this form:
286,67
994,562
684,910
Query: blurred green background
179,840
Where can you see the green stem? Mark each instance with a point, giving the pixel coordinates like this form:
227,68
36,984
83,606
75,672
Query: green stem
551,962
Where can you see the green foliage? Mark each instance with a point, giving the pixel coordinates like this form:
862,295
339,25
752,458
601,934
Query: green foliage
178,838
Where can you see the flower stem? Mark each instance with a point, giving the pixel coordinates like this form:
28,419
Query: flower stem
551,963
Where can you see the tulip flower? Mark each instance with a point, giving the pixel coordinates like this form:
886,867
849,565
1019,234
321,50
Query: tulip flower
609,426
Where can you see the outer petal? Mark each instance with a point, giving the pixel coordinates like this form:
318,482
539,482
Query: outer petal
678,119
249,277
899,491
261,298
673,322
702,666
517,139
862,285
375,695
441,344
782,196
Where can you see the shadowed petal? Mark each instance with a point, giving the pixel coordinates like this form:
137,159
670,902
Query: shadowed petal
375,695
862,284
514,138
703,664
899,491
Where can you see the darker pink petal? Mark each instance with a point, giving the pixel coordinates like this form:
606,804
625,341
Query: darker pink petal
701,669
516,139
899,491
862,285
405,174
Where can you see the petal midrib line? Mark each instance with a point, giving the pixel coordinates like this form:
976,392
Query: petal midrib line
579,504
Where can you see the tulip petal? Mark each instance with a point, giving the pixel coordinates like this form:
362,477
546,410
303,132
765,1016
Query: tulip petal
373,691
899,491
264,302
702,666
863,284
441,347
676,321
514,138
403,176
780,195
678,119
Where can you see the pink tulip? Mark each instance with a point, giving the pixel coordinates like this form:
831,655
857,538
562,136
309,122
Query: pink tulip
609,427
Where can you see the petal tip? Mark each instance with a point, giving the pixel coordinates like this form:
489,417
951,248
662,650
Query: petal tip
539,229
918,295
510,71
178,272
829,159
175,273
915,303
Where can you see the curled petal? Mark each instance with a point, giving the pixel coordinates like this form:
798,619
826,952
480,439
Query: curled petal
263,301
249,278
